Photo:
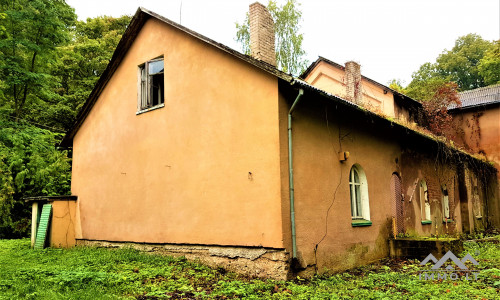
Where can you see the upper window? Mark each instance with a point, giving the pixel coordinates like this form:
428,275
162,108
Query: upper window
151,91
360,209
424,201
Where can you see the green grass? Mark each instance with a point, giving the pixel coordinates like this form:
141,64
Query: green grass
94,273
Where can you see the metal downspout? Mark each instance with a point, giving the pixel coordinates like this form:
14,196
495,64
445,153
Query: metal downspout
290,174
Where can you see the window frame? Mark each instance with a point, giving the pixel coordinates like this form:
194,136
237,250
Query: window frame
358,192
425,204
144,87
446,203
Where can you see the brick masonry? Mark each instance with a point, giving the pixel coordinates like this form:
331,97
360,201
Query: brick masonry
353,82
262,34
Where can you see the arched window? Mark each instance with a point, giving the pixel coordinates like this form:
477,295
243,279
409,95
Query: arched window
360,207
424,201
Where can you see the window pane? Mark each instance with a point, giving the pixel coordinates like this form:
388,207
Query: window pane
357,190
144,85
355,174
156,89
353,202
155,67
446,207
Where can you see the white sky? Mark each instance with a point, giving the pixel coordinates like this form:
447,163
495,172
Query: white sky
389,38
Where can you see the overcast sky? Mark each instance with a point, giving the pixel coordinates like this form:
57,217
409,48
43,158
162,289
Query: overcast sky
389,38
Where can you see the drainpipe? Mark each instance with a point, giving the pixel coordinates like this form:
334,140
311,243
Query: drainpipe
290,173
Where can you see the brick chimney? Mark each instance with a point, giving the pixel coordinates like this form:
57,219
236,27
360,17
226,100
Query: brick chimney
262,34
353,82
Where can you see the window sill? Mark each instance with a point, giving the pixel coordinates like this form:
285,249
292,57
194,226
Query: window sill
150,109
426,222
361,223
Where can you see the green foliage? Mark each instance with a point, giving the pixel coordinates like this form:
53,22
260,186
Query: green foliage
30,165
471,63
49,64
33,30
80,65
289,52
243,35
460,64
397,85
93,273
489,65
426,81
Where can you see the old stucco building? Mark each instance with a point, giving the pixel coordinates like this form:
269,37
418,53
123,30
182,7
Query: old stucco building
188,147
477,129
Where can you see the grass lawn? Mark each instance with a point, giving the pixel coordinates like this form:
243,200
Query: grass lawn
93,273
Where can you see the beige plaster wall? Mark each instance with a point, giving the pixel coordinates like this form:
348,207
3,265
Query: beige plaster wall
332,80
479,132
62,229
204,169
326,238
483,135
328,78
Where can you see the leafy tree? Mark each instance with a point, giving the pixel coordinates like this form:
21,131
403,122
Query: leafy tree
471,63
49,64
289,52
33,29
489,65
425,82
397,85
80,65
30,165
460,63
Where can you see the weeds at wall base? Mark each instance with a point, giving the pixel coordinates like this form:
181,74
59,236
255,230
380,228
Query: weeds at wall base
96,273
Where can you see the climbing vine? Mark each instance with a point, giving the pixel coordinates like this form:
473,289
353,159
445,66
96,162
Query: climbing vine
439,121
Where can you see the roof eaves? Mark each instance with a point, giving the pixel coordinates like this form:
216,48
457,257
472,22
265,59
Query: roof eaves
258,63
472,106
426,135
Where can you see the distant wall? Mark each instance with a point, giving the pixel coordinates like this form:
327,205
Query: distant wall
332,79
479,131
327,237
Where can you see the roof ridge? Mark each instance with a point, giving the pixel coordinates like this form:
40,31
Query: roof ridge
483,88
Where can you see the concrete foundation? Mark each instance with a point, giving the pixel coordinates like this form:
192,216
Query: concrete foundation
250,261
420,248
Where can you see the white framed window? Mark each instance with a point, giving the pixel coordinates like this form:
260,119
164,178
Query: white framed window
151,84
446,203
360,206
424,201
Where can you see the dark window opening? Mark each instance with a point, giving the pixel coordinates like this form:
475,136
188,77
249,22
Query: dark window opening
152,83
